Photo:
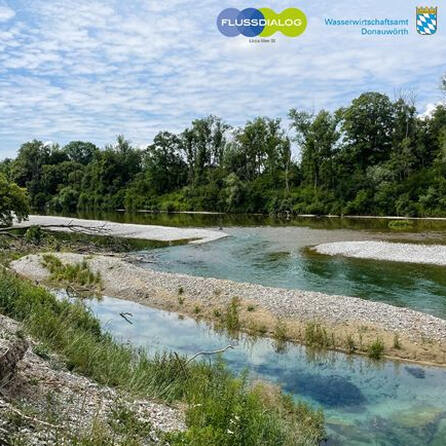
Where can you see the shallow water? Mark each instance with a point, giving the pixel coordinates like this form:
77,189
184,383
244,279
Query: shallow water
279,257
385,403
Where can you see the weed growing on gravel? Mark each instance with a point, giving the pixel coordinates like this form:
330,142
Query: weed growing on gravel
316,335
78,274
232,315
376,349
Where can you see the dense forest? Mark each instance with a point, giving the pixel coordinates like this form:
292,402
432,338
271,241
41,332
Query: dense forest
376,156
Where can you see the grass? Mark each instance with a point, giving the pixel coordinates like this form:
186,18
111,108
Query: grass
350,344
222,409
376,349
280,333
78,274
316,335
231,317
396,342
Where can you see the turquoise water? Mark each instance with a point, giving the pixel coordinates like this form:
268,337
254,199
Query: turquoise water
279,257
365,403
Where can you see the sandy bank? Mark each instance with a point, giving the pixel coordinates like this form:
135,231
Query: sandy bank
423,336
396,252
126,230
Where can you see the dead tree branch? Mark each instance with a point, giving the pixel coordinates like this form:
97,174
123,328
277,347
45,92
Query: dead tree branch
205,353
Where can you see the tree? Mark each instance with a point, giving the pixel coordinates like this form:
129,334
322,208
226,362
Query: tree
316,137
80,152
367,126
163,165
13,202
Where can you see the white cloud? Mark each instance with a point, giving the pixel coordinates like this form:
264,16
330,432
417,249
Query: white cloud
6,13
92,69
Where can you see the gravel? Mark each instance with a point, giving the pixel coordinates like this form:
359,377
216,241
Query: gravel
43,386
133,231
395,252
125,280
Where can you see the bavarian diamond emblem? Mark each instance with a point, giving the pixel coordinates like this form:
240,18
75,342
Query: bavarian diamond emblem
427,21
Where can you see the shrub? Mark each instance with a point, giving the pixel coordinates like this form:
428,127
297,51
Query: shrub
34,235
231,316
376,349
78,274
316,335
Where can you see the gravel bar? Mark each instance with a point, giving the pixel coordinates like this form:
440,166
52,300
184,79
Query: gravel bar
125,280
126,230
395,252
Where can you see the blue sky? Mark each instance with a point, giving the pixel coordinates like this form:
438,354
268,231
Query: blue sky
93,69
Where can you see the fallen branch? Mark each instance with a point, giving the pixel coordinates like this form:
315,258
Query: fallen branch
126,317
205,353
5,405
70,226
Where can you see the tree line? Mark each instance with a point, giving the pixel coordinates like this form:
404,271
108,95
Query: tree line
376,156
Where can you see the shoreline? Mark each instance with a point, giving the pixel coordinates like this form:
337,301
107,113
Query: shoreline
386,251
347,324
375,217
125,230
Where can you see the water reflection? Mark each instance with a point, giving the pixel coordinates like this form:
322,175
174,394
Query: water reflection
280,257
386,403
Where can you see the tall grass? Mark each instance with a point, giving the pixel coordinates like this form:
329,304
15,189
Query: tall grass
223,410
76,274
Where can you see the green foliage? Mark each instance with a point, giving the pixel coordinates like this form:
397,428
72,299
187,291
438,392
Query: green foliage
221,410
316,335
280,333
376,349
34,235
373,157
232,315
77,274
13,202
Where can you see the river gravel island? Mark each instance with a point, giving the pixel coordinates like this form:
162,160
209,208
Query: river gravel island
344,319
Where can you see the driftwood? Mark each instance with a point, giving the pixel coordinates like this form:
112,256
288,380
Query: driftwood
70,226
125,316
205,353
7,406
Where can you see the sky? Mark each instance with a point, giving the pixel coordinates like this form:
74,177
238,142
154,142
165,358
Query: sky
93,69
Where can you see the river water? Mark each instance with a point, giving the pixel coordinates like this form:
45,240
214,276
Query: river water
365,402
385,403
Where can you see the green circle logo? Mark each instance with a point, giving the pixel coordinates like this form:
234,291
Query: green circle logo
262,22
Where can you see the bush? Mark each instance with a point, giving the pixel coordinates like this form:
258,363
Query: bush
78,274
376,349
34,235
231,316
316,335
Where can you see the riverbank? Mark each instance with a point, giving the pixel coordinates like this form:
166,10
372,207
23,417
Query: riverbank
44,404
336,322
205,391
123,230
380,250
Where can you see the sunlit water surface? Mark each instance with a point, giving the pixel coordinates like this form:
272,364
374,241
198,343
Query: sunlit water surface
365,403
280,257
